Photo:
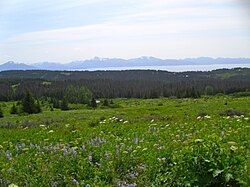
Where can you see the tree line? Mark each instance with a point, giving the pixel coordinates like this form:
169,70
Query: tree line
80,87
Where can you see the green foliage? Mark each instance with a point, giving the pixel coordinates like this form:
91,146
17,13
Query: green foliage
105,102
55,103
137,144
14,109
29,105
1,113
78,95
209,90
231,112
241,94
64,104
93,103
51,108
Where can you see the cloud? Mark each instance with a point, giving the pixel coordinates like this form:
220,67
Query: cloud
163,28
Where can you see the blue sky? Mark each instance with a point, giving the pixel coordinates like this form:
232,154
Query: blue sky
66,30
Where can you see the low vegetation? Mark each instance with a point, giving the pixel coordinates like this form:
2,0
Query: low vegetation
127,142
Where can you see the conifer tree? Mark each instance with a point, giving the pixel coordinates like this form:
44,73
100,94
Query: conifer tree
13,109
28,104
93,103
1,113
64,104
105,102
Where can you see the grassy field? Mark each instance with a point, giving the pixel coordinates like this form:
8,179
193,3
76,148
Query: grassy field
154,142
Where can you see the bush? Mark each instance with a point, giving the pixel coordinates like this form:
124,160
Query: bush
231,112
105,102
93,123
1,113
13,109
201,114
93,103
29,106
241,94
64,105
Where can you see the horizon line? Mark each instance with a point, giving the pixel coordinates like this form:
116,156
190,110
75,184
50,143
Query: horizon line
105,58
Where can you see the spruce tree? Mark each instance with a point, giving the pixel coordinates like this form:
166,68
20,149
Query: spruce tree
38,107
56,103
93,103
28,104
13,109
64,104
1,113
105,102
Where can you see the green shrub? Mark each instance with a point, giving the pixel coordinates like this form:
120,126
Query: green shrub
231,112
13,109
1,113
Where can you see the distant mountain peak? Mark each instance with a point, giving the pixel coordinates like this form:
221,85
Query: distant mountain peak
11,62
11,65
103,63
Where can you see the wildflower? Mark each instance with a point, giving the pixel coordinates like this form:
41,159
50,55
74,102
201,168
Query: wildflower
222,134
65,152
73,151
162,159
90,158
198,140
25,149
75,182
132,175
83,148
233,148
8,155
12,185
232,143
142,167
107,156
125,122
207,116
51,131
10,170
136,140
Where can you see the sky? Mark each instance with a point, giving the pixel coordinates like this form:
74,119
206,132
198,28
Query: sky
66,30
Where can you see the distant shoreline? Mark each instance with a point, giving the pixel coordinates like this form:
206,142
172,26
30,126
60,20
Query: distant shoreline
172,68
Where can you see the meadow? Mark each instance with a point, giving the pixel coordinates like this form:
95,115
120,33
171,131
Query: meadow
140,142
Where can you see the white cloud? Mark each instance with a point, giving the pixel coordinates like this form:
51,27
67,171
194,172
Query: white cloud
166,29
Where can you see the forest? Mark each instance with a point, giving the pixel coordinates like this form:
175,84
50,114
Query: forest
122,84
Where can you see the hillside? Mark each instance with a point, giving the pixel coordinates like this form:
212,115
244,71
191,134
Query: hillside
157,142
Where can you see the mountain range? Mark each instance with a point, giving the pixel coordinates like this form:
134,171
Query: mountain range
118,62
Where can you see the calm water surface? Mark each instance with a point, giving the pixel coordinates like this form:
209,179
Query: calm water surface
179,68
